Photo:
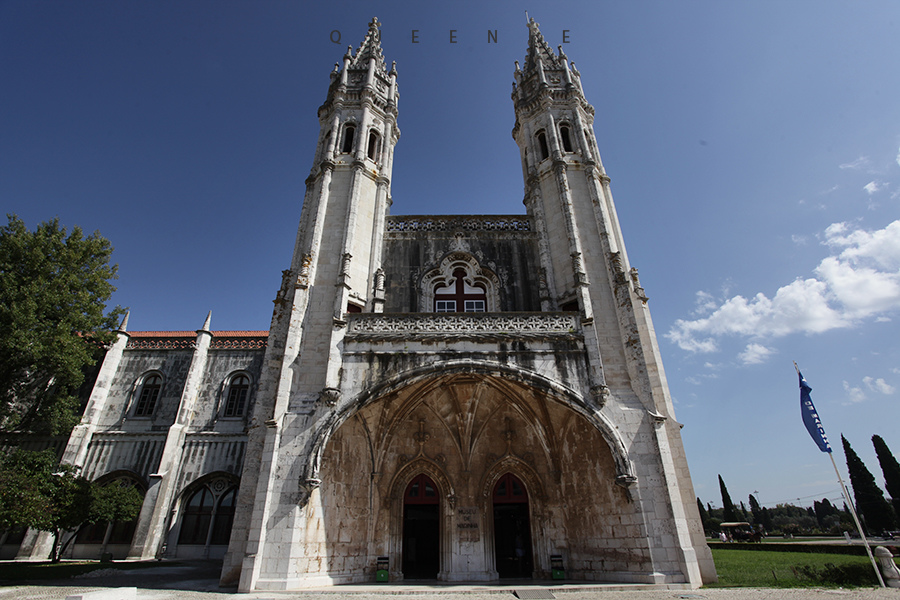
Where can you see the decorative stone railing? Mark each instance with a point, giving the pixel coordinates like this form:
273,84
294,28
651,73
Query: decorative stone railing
400,224
463,325
187,340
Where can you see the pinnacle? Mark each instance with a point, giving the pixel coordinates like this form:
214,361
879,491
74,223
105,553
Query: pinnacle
370,48
539,49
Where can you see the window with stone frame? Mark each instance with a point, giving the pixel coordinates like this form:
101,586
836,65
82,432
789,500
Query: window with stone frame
459,284
542,145
208,514
458,294
147,395
349,138
237,393
372,147
565,136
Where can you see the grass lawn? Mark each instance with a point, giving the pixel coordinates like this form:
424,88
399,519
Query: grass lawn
11,571
752,568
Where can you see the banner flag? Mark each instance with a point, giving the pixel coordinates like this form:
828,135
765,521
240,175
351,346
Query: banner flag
811,417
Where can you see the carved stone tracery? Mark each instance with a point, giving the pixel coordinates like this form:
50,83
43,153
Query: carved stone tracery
518,324
444,275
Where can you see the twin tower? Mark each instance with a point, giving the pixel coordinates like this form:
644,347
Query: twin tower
462,398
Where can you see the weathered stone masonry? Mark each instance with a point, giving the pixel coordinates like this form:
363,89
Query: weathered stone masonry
468,396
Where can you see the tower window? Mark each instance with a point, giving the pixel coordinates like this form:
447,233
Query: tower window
149,394
566,138
372,150
349,134
542,142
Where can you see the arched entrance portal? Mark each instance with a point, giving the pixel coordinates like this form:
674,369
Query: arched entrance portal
421,529
512,528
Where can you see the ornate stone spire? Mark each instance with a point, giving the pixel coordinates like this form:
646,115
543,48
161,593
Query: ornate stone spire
370,48
539,54
364,73
546,75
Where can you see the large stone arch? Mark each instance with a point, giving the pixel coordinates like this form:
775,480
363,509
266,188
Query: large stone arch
463,424
553,389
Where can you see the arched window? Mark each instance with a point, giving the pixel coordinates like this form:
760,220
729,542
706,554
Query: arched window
237,393
147,395
421,490
115,532
458,296
459,284
208,514
542,144
223,518
509,490
566,138
349,135
197,516
372,148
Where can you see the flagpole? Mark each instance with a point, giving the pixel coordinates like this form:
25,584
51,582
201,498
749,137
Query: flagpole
849,502
856,520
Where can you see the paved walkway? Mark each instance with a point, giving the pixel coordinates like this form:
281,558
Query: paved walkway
199,581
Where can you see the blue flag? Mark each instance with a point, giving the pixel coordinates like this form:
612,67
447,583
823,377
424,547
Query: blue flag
811,417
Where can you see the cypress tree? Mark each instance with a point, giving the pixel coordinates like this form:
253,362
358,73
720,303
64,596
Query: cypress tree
704,517
890,469
870,501
729,513
755,510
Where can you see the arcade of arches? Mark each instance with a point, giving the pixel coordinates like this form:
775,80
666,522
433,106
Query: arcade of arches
471,478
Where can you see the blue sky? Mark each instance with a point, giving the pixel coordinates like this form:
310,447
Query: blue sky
754,151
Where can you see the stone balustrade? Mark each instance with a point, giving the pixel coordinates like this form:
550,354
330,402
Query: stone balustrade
463,325
400,224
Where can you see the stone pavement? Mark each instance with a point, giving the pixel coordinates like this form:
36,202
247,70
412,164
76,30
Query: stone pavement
199,581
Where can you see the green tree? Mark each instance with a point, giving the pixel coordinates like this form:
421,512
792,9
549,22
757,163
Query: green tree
704,518
37,492
755,510
729,514
54,287
891,471
874,509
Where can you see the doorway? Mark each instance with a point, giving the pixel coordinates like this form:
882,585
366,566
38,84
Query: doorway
512,529
421,529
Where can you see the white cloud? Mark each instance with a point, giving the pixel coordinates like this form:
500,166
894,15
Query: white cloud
854,394
705,303
879,385
860,163
860,279
874,186
898,156
755,354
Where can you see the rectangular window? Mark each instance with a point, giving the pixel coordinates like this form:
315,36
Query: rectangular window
445,306
474,305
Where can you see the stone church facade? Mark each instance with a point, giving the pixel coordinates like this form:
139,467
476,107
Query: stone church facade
465,398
